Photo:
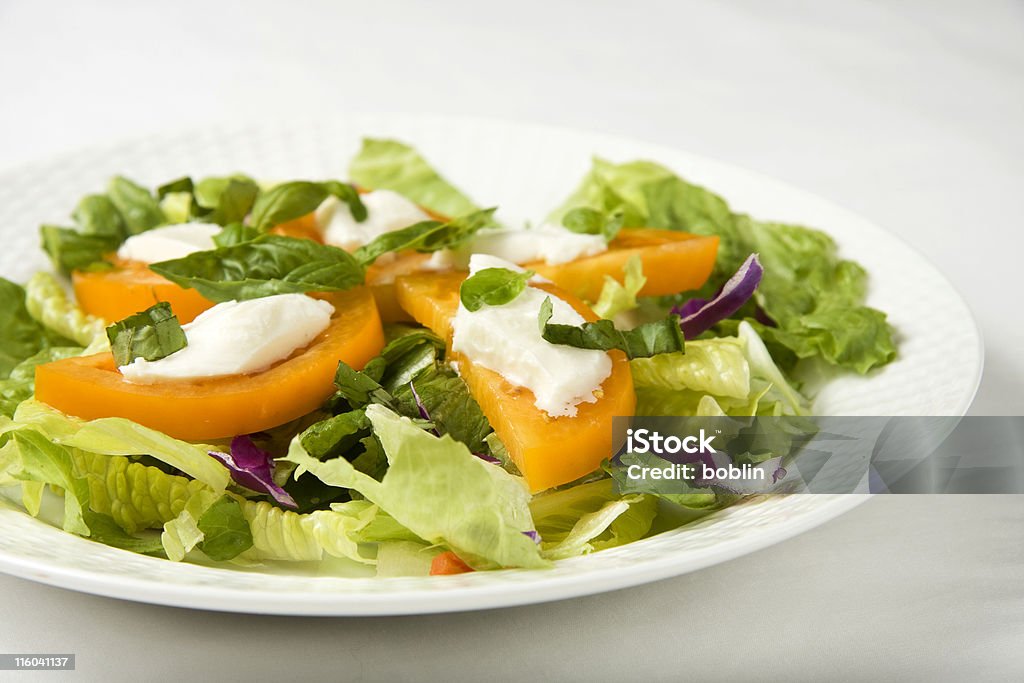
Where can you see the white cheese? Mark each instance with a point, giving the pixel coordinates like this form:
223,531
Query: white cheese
170,242
238,338
386,211
552,244
507,340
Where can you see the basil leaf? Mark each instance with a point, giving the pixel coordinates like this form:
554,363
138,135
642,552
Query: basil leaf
451,407
224,200
71,250
289,201
138,207
348,194
492,286
649,339
235,233
358,388
405,357
593,222
335,435
426,236
152,334
226,533
97,215
267,265
183,184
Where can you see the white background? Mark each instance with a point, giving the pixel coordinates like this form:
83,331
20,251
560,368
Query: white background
908,113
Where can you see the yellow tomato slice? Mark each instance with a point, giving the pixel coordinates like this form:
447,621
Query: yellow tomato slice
549,451
197,410
131,287
672,261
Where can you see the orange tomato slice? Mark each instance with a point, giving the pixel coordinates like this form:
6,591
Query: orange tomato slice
90,387
672,261
131,287
549,451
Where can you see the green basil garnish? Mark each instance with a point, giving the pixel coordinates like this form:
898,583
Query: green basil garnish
426,236
593,222
265,266
152,334
492,286
649,339
289,201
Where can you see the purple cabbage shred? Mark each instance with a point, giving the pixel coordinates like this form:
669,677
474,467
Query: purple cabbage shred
699,315
253,468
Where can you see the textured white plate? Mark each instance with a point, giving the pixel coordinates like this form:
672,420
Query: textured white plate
526,170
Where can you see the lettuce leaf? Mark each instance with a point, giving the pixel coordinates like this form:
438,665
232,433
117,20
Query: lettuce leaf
814,298
618,297
588,517
120,437
45,462
405,558
392,165
731,375
49,304
440,491
21,335
20,385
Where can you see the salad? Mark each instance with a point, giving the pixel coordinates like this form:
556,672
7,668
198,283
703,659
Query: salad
379,371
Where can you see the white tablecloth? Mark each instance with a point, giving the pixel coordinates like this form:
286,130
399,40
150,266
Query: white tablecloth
909,113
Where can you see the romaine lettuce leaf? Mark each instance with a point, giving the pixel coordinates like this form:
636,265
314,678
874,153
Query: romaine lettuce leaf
734,375
392,165
21,335
440,491
20,385
49,304
588,517
120,437
405,558
814,298
618,297
45,462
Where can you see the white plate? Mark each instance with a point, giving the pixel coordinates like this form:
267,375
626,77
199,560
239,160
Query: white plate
526,170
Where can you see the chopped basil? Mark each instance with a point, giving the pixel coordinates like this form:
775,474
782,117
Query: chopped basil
72,250
139,209
152,334
426,236
225,200
97,215
226,532
492,286
649,339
